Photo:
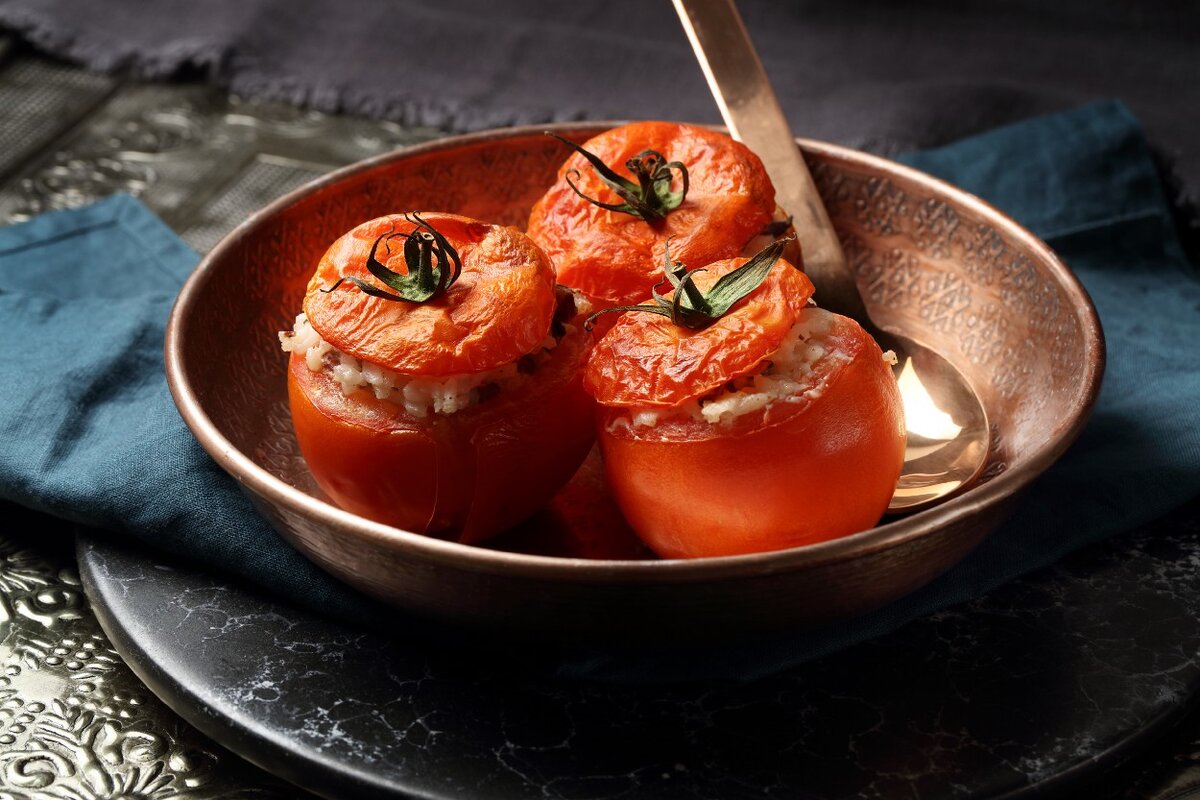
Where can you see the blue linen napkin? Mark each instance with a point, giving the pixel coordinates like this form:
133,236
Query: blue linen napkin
91,435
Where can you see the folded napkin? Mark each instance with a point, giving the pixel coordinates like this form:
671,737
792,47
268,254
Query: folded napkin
90,433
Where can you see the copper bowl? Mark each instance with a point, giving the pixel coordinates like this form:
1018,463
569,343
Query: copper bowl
933,261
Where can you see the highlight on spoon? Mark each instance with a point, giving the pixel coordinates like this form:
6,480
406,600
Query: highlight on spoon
947,434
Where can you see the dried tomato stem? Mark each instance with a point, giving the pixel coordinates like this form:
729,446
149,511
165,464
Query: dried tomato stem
650,198
688,306
433,265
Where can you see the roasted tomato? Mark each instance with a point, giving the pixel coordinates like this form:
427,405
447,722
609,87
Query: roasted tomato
778,425
456,416
612,256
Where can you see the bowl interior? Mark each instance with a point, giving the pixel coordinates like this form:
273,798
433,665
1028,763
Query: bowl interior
933,262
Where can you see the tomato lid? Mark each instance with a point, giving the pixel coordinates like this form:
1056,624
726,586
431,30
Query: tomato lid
614,257
647,360
499,308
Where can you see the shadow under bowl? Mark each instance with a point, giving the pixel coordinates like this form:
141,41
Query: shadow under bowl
933,262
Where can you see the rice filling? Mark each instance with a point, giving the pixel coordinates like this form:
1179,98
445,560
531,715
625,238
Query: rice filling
419,396
788,376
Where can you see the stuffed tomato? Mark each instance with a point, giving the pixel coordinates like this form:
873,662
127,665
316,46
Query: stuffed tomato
435,378
622,194
767,425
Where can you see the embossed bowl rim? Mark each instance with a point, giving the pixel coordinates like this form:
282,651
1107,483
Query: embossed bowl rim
580,570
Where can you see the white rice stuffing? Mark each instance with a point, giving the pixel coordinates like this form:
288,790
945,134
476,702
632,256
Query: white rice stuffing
789,376
419,396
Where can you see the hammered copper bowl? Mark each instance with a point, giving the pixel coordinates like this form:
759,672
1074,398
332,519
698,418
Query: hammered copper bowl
935,262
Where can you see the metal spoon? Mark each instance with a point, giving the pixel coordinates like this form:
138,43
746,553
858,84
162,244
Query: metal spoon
947,428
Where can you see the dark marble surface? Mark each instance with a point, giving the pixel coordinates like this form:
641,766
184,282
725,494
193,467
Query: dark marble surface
1036,689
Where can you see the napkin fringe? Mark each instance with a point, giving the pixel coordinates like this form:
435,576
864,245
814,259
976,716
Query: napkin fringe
1182,199
405,110
218,64
109,57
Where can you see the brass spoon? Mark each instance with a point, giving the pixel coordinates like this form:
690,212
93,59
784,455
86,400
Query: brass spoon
947,428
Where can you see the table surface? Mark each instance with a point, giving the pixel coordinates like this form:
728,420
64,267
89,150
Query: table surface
202,160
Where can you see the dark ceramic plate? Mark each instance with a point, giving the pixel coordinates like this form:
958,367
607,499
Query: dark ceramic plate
1035,689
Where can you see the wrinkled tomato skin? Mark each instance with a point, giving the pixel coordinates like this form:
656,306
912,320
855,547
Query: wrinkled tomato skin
615,258
647,360
791,475
464,476
497,310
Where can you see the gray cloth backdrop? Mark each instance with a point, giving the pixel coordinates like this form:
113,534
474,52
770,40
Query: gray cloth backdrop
880,74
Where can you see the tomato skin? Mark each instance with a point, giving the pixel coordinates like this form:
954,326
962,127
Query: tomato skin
464,476
786,476
615,258
647,360
498,310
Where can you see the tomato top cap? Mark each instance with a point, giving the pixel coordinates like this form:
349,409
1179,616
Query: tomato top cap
612,256
499,308
648,360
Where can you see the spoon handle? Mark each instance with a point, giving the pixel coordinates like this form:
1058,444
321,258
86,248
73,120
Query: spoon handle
752,113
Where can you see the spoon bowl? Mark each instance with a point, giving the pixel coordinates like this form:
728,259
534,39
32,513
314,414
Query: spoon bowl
947,426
